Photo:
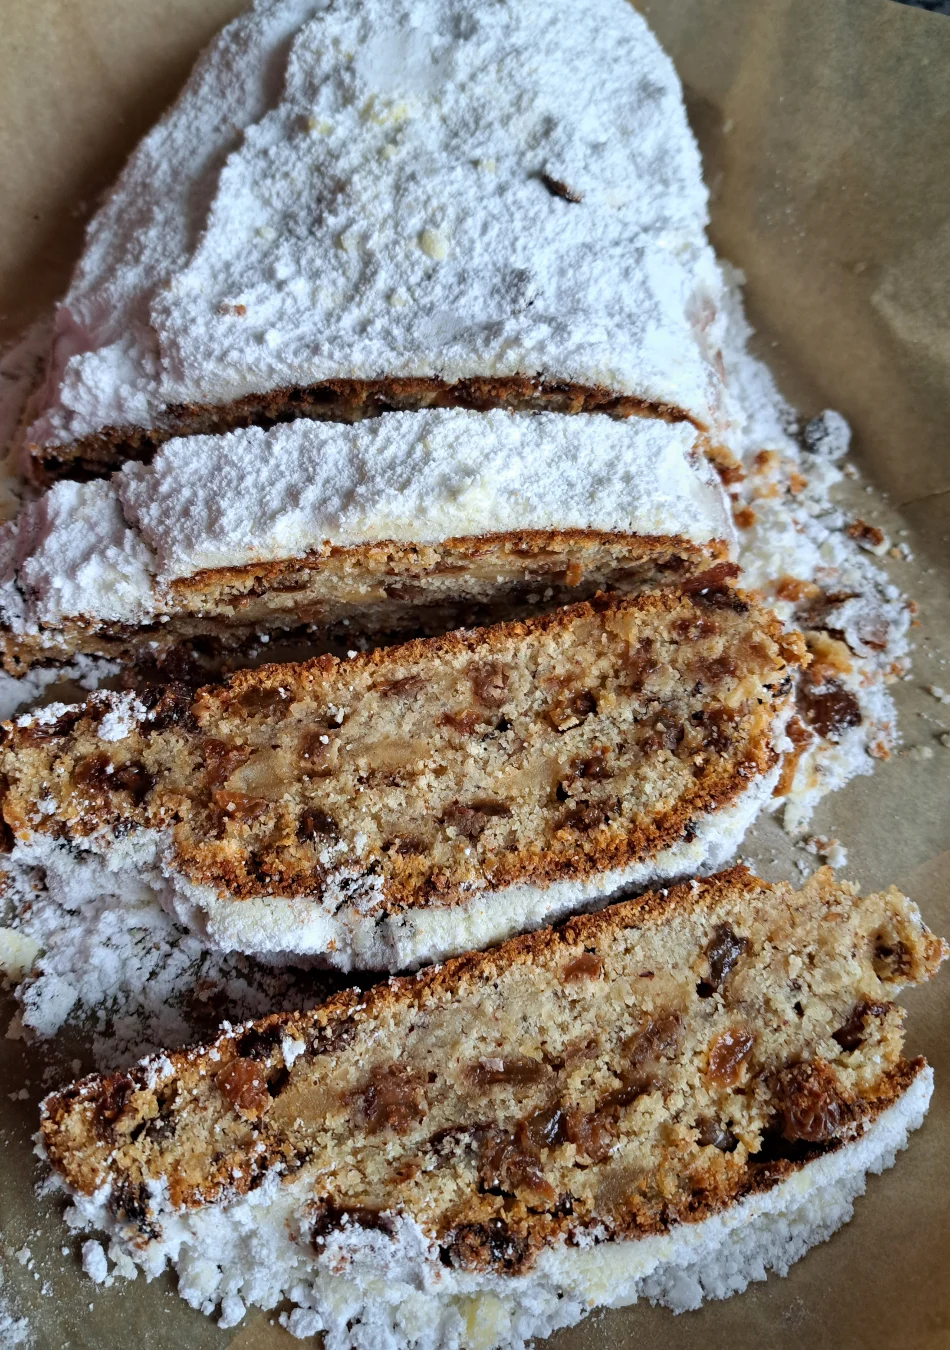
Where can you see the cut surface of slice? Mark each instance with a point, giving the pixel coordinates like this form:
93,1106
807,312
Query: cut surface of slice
421,521
368,206
426,798
695,1079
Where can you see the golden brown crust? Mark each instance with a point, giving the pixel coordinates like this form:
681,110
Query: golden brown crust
343,401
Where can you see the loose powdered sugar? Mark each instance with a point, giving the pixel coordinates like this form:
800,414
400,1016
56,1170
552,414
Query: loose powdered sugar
355,190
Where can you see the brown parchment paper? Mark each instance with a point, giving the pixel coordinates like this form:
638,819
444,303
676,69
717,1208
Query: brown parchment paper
825,129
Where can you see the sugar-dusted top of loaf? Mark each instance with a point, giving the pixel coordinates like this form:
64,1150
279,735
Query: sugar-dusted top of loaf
373,187
105,550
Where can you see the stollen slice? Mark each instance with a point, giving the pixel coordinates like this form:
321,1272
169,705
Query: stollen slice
423,799
421,521
663,1100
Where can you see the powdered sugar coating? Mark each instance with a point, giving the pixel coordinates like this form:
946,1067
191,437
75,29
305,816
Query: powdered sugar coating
107,550
359,189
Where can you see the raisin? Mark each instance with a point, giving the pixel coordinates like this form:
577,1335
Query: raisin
111,1104
666,733
483,1246
314,750
593,1134
713,1134
595,766
587,966
392,1100
129,1202
695,627
567,194
175,708
723,951
810,1103
546,1128
512,1072
94,772
719,668
135,779
242,1082
470,821
717,575
656,1040
325,1218
639,665
583,818
408,846
719,728
489,683
727,1054
37,732
221,760
892,960
316,824
506,1167
852,1034
828,708
259,1042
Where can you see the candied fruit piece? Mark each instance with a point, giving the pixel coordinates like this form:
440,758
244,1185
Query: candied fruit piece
243,1083
392,1099
587,966
727,1055
259,700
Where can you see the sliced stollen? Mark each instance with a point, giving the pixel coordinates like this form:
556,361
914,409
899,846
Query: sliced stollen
422,799
420,521
381,204
661,1100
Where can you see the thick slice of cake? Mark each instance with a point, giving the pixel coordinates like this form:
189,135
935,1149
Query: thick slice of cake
420,521
384,204
419,800
661,1100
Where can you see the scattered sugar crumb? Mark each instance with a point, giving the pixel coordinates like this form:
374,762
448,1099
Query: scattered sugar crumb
94,1262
